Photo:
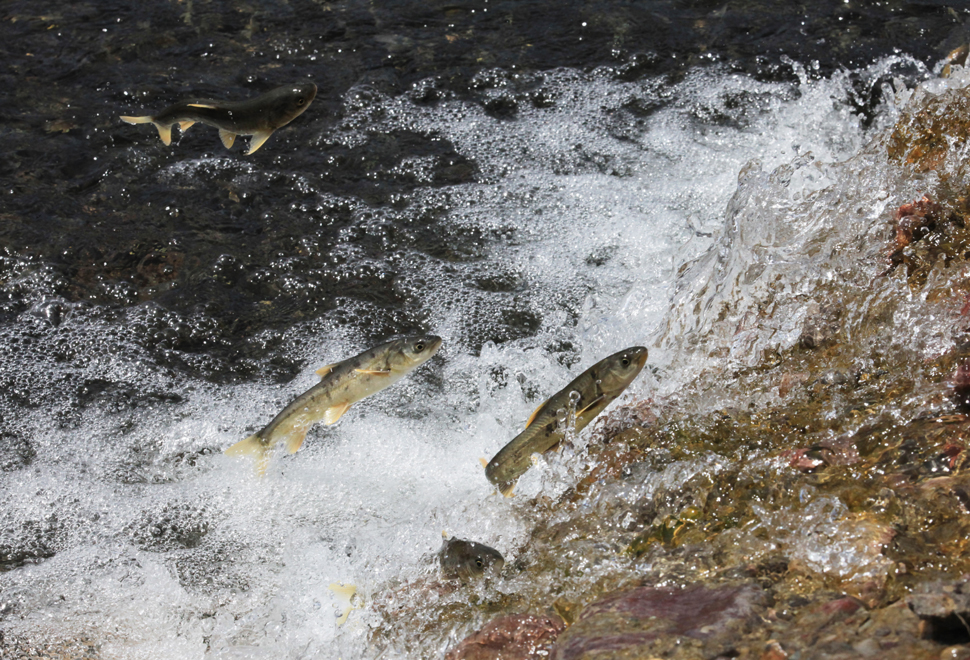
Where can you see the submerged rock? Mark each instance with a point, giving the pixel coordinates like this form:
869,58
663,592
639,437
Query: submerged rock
510,637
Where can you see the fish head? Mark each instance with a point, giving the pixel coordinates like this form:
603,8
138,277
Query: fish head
289,102
622,368
417,350
468,559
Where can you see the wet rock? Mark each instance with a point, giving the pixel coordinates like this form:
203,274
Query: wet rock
28,542
16,452
651,621
511,637
944,609
177,525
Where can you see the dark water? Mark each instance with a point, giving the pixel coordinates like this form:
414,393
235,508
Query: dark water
151,297
84,208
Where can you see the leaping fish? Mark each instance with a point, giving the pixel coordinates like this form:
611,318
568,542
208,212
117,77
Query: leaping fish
591,391
342,384
258,117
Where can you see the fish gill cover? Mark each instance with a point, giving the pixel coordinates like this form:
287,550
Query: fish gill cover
540,197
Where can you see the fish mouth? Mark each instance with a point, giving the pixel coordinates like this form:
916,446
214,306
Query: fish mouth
435,343
642,357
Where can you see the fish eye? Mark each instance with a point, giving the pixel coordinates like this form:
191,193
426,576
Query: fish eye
479,562
301,101
625,362
419,346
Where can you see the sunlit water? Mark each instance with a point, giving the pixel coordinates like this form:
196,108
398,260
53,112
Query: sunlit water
157,546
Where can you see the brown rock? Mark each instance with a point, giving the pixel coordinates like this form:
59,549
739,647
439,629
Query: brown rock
648,621
512,637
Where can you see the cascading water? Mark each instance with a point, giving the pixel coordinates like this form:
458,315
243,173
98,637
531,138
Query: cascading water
604,213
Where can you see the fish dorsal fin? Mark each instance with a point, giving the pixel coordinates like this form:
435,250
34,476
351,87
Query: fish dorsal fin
374,372
323,371
201,105
295,440
259,137
227,137
186,125
334,413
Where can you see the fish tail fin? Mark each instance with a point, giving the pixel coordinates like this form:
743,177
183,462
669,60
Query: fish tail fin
252,446
147,119
164,132
345,593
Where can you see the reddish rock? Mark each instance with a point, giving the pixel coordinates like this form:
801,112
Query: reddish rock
650,620
512,637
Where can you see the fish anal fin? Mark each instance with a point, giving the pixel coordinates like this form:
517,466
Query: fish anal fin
201,105
334,413
295,439
257,141
228,138
374,372
164,132
186,125
323,371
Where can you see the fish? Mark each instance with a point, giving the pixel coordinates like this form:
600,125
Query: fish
341,385
465,560
258,117
590,393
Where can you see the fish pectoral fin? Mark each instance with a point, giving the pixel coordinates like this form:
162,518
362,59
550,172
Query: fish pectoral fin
201,105
228,138
334,413
186,125
323,371
591,404
257,141
374,372
295,440
535,413
506,489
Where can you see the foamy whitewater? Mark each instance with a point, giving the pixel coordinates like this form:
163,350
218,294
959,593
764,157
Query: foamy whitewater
587,212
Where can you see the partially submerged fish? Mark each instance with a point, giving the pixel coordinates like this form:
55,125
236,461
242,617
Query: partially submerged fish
342,384
346,595
258,117
464,560
590,393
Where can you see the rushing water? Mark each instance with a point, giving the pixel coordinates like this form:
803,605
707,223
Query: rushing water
172,300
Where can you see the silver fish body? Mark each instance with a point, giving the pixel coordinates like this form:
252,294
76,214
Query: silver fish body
465,560
588,394
341,385
258,117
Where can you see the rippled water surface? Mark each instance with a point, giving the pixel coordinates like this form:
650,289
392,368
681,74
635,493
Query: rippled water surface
531,184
